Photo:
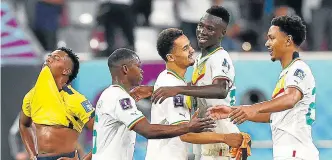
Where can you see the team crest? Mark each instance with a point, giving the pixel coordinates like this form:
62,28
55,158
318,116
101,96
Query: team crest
125,103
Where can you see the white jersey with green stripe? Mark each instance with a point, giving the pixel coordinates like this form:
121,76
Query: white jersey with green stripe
291,128
216,65
172,111
116,114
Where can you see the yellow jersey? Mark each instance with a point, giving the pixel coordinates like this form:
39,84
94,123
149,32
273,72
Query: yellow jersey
45,104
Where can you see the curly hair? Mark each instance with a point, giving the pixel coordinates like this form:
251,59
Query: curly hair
165,42
291,25
220,12
74,58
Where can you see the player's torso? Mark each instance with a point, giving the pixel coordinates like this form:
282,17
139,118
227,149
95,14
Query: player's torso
111,137
203,75
57,111
292,127
171,148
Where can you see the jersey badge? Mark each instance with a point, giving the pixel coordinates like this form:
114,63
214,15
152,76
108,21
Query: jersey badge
125,103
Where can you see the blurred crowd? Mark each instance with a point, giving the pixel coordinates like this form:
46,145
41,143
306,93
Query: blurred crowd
246,31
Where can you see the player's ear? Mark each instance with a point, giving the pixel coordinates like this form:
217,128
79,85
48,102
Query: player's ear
170,57
125,69
66,71
289,40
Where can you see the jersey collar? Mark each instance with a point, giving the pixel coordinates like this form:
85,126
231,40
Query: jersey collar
169,71
201,59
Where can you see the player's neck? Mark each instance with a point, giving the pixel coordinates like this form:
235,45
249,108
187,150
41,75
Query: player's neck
60,82
178,70
207,50
288,58
121,82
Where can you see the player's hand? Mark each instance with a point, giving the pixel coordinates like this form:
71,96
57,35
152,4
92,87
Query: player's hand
164,92
141,92
233,139
66,158
242,113
218,112
197,125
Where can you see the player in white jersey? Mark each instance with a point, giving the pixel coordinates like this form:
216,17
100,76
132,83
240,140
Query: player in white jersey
116,114
212,80
174,47
291,111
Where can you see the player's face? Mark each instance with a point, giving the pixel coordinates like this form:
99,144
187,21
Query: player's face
59,63
182,53
210,31
276,42
135,72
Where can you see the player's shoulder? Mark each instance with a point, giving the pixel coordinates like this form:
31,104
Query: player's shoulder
72,92
29,94
166,78
115,92
300,66
221,55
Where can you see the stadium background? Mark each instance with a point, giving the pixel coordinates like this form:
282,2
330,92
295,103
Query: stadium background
22,55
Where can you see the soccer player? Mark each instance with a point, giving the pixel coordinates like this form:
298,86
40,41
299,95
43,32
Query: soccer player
291,111
58,111
212,79
174,47
117,118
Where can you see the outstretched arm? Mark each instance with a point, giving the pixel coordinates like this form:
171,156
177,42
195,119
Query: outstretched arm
218,89
233,139
155,131
287,101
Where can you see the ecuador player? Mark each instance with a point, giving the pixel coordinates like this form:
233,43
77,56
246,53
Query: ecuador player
58,111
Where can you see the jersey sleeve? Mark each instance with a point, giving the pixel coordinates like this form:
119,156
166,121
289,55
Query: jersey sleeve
221,67
297,77
177,110
26,108
127,112
85,110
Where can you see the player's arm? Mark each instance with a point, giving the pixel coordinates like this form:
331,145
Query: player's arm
295,84
27,134
223,112
127,112
89,125
221,83
156,131
232,139
287,101
217,90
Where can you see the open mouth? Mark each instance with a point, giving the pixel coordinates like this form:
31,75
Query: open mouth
202,39
271,51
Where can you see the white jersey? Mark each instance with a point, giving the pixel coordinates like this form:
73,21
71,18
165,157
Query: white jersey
291,129
116,115
172,111
217,64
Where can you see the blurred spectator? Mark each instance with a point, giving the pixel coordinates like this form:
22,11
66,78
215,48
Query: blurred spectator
230,42
142,7
113,14
321,24
47,14
188,13
296,5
